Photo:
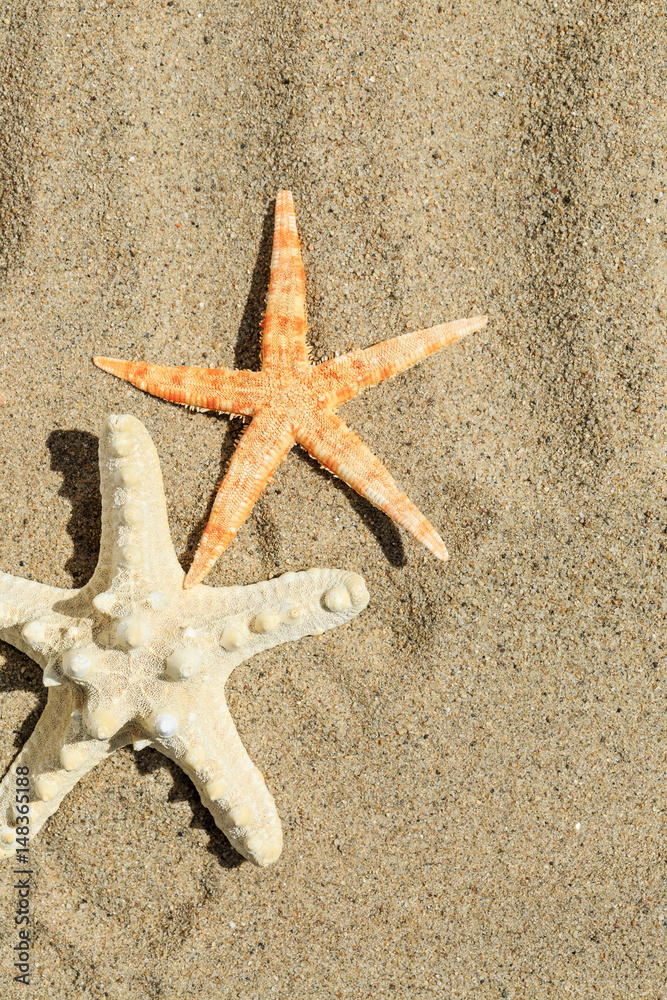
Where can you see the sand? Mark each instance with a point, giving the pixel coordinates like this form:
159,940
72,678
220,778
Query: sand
471,775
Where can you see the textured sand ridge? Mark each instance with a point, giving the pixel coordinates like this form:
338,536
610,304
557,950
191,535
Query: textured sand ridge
471,776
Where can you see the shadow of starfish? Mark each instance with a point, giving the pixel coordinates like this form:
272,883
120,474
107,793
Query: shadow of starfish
74,456
150,762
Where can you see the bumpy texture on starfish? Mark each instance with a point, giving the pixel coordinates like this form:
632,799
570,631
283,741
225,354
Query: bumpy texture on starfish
133,658
291,401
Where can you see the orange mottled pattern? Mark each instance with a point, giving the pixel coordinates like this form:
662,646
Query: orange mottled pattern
291,402
284,347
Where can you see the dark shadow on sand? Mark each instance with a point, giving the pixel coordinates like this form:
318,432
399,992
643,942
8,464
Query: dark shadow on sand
148,762
75,455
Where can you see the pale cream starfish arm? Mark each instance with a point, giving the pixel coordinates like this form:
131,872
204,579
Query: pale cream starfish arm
58,754
283,609
209,388
21,598
358,466
28,619
232,788
342,378
212,755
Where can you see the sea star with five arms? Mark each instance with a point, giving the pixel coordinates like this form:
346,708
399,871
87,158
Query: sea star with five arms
132,657
290,401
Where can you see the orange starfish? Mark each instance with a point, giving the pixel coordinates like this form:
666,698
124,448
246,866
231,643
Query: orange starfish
291,401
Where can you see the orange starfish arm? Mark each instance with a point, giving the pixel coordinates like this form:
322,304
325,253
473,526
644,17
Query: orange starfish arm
335,446
263,446
342,378
210,388
284,324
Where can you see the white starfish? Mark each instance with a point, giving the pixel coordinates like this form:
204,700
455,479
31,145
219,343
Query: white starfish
132,657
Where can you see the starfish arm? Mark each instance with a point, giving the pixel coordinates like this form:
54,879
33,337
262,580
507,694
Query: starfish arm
284,324
56,756
209,748
335,446
208,388
135,546
342,378
229,784
263,446
284,609
27,618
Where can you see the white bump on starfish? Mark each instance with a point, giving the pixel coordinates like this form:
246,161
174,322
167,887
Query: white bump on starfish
133,631
130,513
45,789
72,757
265,623
103,724
163,724
337,599
35,632
231,638
195,758
158,601
133,658
183,663
78,662
131,555
215,789
105,603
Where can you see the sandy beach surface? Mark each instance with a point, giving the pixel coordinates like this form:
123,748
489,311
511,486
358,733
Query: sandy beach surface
471,775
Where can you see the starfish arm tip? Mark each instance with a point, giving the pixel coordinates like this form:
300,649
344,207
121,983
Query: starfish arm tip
192,579
108,365
233,790
436,546
471,325
136,541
